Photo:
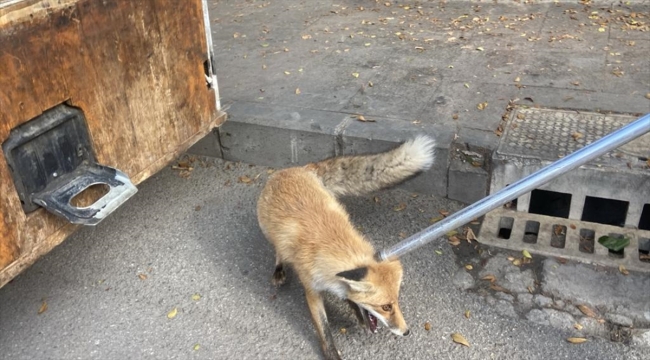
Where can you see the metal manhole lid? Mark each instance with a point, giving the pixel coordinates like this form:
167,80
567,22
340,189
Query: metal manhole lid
549,134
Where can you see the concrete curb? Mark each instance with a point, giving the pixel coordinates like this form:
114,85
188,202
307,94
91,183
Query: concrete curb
282,137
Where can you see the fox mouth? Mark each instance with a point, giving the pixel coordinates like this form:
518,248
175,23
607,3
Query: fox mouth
369,319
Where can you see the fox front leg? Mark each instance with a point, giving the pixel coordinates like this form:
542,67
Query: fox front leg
319,318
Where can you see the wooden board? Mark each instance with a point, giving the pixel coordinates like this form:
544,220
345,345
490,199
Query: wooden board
135,68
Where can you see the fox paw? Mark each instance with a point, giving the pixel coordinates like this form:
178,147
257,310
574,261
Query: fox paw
279,276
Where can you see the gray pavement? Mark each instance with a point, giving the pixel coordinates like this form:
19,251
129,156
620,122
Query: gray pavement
293,74
110,288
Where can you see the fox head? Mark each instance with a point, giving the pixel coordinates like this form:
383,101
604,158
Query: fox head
375,289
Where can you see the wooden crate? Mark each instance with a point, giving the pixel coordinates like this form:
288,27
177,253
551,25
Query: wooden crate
137,70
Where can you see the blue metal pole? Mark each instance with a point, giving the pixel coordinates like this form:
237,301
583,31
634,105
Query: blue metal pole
529,183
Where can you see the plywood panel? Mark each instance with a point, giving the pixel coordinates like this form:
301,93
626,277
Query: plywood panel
135,68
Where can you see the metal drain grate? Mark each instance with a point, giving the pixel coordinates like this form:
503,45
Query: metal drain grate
548,134
570,239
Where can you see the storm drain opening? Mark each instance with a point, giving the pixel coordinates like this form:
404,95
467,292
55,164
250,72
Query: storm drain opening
644,222
587,237
558,238
605,211
505,227
531,231
616,254
550,203
644,249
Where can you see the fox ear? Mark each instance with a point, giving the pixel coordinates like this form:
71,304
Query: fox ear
355,274
353,278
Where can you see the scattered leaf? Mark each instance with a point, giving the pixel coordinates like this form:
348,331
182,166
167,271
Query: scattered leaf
438,252
482,106
363,119
245,179
576,83
436,219
647,96
587,311
172,313
355,74
142,276
370,84
573,227
270,171
375,199
306,37
197,208
576,340
614,243
521,116
577,326
526,254
623,270
297,91
517,79
196,347
467,314
454,241
459,339
287,73
343,331
427,326
480,48
469,235
452,233
469,267
400,207
499,288
444,213
43,307
530,289
491,278
511,258
196,297
602,29
516,262
454,116
577,135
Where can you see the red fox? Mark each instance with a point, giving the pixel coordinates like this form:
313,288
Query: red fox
310,230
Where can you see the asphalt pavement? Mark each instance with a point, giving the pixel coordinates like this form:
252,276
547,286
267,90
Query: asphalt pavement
182,271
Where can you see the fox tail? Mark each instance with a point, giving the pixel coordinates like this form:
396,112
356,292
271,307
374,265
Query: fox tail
363,174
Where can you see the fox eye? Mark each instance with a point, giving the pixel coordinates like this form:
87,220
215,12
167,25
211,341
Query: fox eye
387,307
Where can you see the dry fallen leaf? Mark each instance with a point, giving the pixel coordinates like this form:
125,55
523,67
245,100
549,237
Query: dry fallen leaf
454,240
375,199
511,258
427,326
400,207
469,267
467,314
343,331
573,227
454,116
577,326
459,339
576,340
491,278
496,287
469,235
245,179
623,270
526,254
196,347
43,307
142,276
482,105
452,233
436,219
587,311
516,262
355,74
576,135
172,313
297,91
363,119
647,96
444,213
196,297
530,289
439,252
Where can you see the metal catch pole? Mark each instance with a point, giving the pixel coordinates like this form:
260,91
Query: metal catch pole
597,148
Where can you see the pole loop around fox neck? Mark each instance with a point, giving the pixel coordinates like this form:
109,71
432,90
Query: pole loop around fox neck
597,148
